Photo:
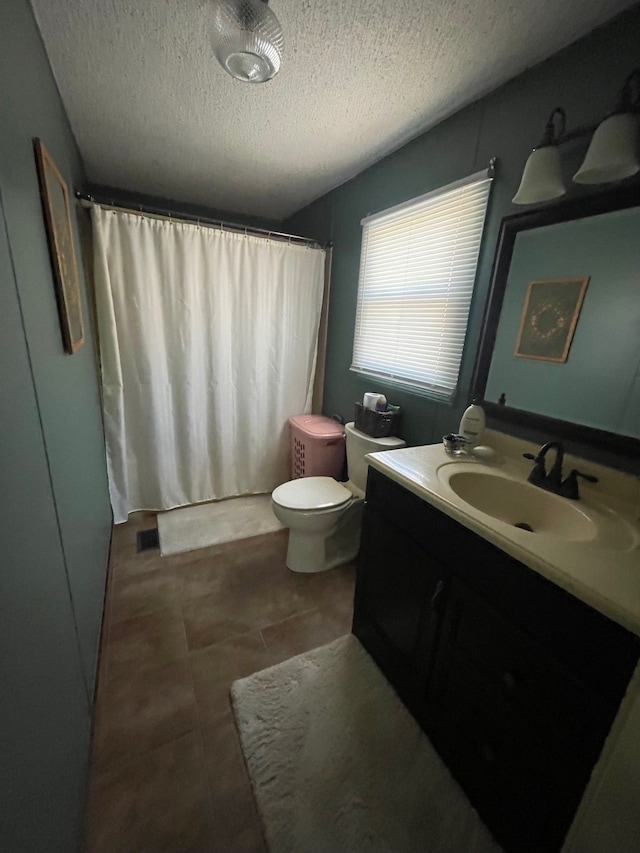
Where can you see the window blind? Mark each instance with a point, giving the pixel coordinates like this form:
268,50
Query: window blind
417,272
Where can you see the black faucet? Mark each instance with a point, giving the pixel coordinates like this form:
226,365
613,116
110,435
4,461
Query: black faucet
552,481
569,489
538,476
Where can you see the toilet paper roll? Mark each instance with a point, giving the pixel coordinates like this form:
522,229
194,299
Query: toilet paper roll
373,401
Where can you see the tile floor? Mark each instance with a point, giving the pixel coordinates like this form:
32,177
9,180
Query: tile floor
167,773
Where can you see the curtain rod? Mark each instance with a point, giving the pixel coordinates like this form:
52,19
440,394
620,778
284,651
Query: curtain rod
164,213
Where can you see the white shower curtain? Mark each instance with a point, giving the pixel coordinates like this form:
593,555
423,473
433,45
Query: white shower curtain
208,344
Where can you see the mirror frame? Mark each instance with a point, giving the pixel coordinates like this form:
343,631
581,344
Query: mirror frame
564,211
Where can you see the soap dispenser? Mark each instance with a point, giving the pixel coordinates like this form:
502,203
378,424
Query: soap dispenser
472,423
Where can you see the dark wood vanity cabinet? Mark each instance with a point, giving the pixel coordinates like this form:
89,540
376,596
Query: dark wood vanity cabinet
397,611
515,681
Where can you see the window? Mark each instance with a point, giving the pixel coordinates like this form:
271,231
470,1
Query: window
417,271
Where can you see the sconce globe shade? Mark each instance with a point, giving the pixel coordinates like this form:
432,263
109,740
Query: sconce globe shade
542,177
612,154
247,39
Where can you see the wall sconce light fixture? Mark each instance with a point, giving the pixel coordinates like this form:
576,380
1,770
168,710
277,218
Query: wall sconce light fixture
612,154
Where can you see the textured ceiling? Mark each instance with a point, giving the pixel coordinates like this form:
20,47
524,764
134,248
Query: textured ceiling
153,111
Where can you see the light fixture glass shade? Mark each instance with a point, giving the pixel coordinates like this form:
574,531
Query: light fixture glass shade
612,154
542,177
247,39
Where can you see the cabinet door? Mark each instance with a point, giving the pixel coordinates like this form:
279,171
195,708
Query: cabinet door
399,592
517,730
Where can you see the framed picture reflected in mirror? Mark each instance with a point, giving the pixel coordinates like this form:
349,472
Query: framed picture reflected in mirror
549,317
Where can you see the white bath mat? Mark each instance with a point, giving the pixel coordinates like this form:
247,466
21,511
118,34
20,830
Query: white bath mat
338,764
193,527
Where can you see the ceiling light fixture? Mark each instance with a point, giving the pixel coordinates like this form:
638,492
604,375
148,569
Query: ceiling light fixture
247,39
612,154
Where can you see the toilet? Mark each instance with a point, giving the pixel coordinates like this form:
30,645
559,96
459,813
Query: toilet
323,515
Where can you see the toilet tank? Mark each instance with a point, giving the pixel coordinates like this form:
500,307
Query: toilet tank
358,445
317,447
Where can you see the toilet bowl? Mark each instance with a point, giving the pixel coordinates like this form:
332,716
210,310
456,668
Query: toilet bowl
323,515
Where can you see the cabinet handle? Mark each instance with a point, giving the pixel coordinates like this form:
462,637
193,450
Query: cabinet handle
436,595
509,680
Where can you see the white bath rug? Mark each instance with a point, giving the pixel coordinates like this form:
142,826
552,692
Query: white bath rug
191,527
338,765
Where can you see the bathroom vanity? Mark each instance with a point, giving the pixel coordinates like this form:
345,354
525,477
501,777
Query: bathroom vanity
512,649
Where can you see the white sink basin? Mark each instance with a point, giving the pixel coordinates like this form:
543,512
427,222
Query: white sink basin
504,495
523,505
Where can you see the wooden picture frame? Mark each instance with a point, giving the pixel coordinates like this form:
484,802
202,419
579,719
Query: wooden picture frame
549,317
57,216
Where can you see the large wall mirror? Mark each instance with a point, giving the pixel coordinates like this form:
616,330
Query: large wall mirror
560,350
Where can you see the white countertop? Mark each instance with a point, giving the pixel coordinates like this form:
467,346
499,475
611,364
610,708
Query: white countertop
603,575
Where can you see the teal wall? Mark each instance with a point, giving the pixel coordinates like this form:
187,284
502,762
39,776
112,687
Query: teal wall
56,519
129,198
594,386
585,79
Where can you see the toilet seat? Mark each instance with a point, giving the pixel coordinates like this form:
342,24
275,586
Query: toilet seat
309,493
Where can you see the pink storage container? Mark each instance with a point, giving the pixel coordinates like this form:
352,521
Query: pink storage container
317,447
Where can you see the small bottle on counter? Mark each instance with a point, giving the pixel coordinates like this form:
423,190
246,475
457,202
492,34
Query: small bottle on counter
473,423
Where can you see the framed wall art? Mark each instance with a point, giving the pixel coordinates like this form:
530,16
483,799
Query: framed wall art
57,217
549,317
